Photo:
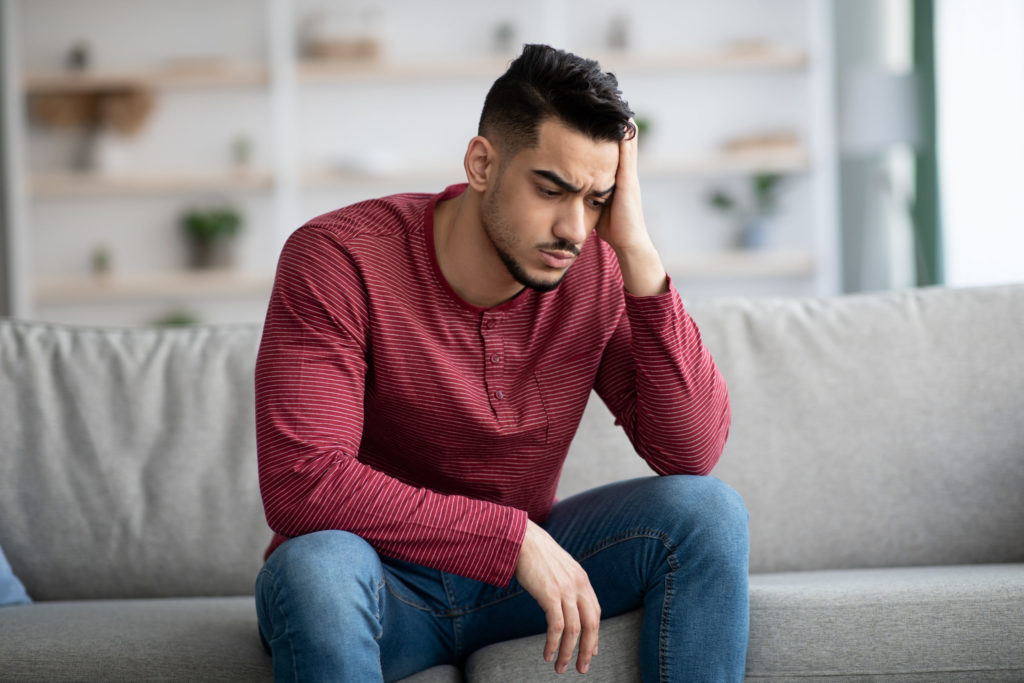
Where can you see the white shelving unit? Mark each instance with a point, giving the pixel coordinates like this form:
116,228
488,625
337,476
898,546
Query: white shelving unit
318,124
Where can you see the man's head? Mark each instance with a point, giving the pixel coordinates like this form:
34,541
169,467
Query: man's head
545,160
544,83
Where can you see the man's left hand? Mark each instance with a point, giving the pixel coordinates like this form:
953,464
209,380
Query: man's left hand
622,227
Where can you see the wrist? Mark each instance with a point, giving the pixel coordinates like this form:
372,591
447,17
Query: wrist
643,273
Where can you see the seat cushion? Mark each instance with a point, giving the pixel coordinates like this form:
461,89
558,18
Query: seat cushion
907,624
522,660
210,639
133,640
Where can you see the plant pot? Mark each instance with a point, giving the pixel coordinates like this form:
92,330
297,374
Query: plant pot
211,254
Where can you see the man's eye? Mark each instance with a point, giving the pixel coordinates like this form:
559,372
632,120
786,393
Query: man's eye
597,203
548,192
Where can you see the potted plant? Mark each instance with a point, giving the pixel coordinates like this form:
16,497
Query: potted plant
210,233
752,219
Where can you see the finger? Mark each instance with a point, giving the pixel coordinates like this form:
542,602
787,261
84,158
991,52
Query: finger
590,621
555,626
570,634
628,153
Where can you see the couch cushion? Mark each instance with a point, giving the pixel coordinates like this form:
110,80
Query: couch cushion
867,431
128,466
132,640
521,659
209,639
921,624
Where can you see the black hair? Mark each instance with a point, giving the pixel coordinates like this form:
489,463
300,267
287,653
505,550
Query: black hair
543,83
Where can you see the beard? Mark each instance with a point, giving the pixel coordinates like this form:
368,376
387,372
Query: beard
504,238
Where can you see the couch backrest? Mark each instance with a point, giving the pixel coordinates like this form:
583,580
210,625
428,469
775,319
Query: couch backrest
870,430
127,460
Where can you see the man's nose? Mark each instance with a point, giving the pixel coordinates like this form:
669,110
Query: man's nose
572,224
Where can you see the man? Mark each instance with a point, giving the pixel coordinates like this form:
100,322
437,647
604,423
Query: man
425,362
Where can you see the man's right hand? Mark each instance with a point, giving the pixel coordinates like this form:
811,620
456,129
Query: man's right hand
561,587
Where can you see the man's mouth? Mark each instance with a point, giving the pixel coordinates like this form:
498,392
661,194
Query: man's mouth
557,259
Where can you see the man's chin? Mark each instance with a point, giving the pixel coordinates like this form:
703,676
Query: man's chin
528,279
540,285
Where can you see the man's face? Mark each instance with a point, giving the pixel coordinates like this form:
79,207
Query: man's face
546,201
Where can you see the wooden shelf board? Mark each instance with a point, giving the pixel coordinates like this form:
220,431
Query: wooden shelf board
787,161
94,184
328,70
181,76
774,58
152,287
781,161
741,264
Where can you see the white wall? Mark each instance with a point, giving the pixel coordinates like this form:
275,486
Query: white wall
980,74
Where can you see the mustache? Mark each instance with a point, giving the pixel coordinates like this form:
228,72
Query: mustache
561,245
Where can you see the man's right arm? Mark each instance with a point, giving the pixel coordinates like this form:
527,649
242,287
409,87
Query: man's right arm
310,381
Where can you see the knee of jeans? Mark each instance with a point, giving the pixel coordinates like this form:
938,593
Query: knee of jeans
721,514
331,559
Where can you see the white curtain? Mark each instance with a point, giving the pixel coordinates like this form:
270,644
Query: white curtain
980,93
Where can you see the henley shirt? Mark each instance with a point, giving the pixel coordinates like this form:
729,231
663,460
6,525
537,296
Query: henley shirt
389,407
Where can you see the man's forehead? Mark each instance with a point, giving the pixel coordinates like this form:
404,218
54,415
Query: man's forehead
573,156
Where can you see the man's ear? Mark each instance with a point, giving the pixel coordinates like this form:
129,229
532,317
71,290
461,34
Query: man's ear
481,163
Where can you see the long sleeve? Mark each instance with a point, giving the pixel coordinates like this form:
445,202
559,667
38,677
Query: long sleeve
311,375
659,380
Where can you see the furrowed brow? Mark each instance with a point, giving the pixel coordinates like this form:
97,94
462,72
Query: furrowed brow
567,186
558,180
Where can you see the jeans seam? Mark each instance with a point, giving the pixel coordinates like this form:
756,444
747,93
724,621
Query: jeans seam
631,535
284,618
380,608
412,603
663,630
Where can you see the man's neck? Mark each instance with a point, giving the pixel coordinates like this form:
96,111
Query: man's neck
466,256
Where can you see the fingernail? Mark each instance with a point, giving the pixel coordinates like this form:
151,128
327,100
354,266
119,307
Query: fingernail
585,668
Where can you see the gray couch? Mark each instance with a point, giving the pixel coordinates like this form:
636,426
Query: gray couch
878,441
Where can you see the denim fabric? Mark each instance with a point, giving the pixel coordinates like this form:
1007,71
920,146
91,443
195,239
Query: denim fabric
330,608
12,592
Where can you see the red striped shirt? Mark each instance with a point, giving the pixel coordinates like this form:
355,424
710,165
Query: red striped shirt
389,407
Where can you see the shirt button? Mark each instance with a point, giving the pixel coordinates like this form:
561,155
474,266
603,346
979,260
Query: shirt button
499,394
495,358
490,323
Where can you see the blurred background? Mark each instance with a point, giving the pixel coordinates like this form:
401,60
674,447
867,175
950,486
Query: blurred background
156,155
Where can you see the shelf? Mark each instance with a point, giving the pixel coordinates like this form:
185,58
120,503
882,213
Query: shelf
741,264
332,70
778,161
329,70
741,60
185,75
781,161
154,287
43,186
329,178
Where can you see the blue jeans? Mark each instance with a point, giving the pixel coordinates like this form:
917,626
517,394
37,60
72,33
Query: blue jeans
332,609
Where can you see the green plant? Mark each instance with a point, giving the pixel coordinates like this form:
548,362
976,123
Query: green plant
750,217
207,226
764,190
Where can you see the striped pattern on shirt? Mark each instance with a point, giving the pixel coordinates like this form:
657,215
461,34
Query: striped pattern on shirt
389,407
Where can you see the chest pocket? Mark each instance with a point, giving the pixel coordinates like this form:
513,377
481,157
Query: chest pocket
520,413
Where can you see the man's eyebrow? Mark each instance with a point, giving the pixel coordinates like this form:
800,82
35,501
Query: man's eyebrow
566,185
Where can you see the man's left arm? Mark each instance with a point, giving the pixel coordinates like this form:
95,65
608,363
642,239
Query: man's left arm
656,375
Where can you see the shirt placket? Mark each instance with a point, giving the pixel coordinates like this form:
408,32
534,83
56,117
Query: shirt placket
494,365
